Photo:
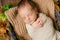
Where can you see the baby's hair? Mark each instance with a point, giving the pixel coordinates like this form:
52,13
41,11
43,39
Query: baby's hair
30,2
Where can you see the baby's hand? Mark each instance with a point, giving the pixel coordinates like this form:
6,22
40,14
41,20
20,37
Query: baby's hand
38,23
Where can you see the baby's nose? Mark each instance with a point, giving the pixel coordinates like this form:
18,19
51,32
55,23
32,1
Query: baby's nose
27,18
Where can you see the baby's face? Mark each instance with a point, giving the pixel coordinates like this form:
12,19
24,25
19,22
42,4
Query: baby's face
28,15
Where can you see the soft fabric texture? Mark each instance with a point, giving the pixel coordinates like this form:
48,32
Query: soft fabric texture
46,32
58,35
47,7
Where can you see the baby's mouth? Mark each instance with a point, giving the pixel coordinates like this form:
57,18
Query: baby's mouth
31,22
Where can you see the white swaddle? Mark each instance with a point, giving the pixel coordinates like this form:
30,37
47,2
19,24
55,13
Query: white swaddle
47,32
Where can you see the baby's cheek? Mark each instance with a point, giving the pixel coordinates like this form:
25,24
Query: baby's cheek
26,21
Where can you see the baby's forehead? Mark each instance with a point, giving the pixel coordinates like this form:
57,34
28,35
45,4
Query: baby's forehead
25,9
